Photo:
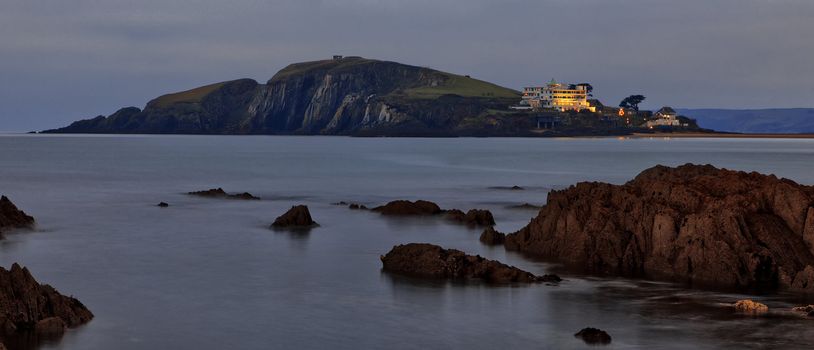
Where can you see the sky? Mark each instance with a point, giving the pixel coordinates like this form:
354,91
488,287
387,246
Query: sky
62,61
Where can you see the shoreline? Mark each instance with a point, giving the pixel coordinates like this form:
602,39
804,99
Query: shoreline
722,135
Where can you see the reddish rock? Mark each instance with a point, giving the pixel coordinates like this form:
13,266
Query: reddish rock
11,217
807,310
696,224
750,307
492,237
220,193
296,217
431,261
26,305
51,325
404,208
594,336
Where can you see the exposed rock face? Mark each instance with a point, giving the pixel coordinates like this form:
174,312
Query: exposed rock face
474,217
220,193
11,217
432,261
696,224
296,217
403,208
26,305
750,307
348,96
594,336
492,237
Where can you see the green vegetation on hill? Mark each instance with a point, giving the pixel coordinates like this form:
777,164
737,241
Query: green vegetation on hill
190,96
462,86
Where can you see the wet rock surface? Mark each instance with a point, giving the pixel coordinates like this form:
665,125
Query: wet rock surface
492,237
593,336
408,208
694,223
298,217
27,306
431,261
750,307
220,193
12,218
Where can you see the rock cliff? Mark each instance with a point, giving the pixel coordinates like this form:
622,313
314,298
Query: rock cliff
26,305
349,96
695,224
11,217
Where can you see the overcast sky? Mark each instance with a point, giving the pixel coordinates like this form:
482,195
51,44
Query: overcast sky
65,60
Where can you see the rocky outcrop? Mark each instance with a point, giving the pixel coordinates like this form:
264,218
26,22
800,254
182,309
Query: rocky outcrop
474,217
431,261
807,310
408,208
528,206
220,193
26,305
352,95
750,307
11,217
693,223
492,237
163,205
593,336
298,217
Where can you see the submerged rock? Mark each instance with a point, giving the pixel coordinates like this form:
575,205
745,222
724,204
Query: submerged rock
750,307
474,217
163,205
492,237
693,223
356,206
525,206
11,217
406,208
30,306
298,217
431,261
220,193
594,336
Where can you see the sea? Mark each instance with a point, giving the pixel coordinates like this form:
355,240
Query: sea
208,273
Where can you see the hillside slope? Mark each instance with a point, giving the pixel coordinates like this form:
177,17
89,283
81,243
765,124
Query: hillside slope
778,120
335,97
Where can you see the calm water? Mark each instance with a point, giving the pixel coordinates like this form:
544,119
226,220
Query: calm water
208,274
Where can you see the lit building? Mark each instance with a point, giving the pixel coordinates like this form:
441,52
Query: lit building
666,116
562,97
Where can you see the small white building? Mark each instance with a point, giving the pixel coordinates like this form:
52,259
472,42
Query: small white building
666,116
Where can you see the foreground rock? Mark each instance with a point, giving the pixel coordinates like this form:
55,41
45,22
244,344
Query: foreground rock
432,261
695,224
220,193
807,310
492,237
405,208
594,336
11,217
298,217
750,307
26,305
474,217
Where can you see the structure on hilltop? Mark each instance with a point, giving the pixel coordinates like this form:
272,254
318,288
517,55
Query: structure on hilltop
558,96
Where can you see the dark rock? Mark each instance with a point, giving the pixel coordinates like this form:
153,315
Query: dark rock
805,310
11,217
355,206
594,336
474,217
28,305
51,325
163,205
516,188
340,203
695,224
405,208
431,261
492,237
220,193
296,217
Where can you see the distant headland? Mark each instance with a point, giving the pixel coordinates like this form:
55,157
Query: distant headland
364,97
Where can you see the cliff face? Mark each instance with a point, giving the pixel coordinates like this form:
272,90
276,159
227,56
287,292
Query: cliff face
348,96
695,224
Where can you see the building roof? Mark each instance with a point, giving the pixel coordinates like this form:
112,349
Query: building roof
666,110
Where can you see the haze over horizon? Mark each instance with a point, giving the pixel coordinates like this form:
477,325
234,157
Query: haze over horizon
73,60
